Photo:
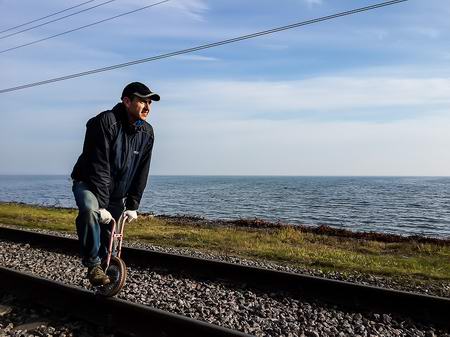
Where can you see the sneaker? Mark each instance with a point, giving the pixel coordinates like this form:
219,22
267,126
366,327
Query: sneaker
97,276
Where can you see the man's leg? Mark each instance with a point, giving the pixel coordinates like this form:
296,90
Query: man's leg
88,230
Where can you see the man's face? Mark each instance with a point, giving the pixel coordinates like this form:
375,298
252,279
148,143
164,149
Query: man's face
137,107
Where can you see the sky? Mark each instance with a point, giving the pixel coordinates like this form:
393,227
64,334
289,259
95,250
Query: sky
367,94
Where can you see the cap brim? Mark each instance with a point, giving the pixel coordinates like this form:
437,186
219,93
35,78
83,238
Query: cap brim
153,96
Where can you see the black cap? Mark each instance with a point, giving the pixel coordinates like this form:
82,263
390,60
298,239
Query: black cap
139,89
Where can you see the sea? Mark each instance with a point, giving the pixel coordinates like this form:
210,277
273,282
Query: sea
396,205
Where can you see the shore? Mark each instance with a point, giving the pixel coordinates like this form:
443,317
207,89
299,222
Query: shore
409,263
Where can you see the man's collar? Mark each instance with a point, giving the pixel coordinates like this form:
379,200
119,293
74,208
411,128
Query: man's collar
129,126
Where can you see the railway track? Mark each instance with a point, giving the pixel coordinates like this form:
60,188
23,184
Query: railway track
422,308
122,317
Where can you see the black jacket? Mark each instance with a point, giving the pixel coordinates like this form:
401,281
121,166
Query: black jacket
116,157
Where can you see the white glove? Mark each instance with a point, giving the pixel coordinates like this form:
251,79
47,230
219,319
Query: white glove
105,216
130,215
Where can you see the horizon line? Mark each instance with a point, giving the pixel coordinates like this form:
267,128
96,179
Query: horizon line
247,175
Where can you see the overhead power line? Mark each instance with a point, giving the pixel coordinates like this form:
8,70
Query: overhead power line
205,46
45,17
82,27
57,19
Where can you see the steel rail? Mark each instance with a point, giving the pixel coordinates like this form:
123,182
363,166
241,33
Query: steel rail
122,317
432,309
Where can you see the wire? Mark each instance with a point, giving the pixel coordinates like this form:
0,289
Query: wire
45,17
205,46
82,27
58,19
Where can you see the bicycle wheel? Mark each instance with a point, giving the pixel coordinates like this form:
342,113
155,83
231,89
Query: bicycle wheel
117,273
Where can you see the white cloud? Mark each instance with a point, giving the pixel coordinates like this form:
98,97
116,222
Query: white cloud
428,32
212,128
192,57
311,3
379,34
302,148
322,94
193,8
209,127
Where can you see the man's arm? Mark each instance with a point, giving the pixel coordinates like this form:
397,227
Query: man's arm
97,159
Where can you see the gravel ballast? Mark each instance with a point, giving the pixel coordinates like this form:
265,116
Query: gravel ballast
222,303
19,319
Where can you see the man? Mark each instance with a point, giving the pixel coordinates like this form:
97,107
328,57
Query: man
111,173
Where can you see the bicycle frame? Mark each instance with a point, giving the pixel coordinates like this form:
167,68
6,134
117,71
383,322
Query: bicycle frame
116,235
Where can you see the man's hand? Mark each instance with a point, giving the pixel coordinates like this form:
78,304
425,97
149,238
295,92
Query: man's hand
105,216
130,215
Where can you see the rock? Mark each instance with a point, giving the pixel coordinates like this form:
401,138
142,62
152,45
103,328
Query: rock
5,310
29,326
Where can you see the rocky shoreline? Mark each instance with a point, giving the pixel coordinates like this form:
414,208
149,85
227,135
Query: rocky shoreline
256,223
319,230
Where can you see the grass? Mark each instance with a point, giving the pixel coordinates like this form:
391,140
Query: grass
287,245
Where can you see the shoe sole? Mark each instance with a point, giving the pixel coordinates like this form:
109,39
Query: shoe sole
98,284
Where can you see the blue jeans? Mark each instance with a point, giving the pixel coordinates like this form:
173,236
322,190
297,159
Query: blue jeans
93,236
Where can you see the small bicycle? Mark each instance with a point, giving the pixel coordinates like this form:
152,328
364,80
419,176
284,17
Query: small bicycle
114,266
